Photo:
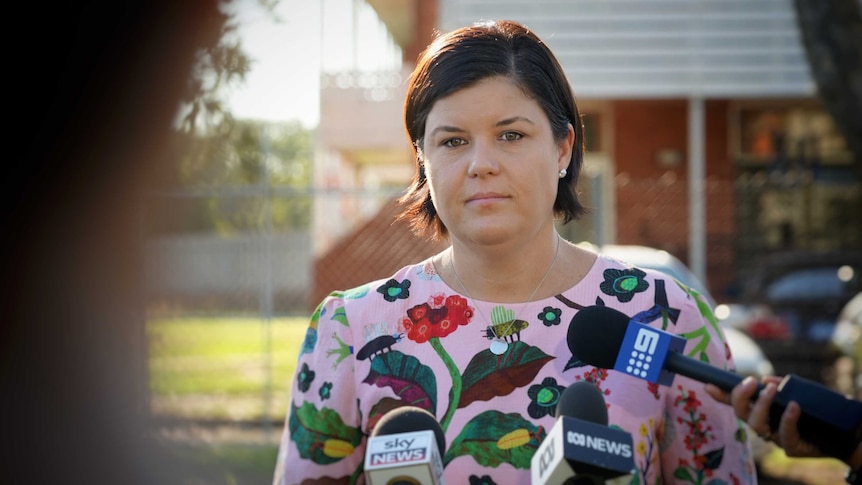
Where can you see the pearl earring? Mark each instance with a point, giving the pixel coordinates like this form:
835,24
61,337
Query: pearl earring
562,173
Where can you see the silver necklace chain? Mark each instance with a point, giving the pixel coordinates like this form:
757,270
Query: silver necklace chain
529,298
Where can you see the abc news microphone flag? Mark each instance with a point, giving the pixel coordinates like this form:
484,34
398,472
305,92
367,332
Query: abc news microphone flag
581,448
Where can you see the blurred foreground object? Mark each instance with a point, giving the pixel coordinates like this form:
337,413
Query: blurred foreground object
97,97
847,338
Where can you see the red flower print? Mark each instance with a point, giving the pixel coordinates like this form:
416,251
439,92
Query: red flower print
691,402
696,439
437,300
418,332
459,311
424,321
418,312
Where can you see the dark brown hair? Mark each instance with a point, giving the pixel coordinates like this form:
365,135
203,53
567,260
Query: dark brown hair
461,59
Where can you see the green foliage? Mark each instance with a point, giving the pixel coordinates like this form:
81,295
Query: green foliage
221,63
250,153
235,175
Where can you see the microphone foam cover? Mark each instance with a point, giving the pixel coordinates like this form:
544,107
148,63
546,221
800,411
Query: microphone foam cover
596,335
583,400
407,419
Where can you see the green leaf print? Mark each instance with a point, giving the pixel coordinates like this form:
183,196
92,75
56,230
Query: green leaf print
493,438
682,473
321,436
340,316
703,338
489,375
411,380
382,407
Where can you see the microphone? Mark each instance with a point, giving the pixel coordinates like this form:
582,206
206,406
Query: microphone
581,449
608,339
405,448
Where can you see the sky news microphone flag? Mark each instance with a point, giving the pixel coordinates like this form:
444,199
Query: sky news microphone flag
405,448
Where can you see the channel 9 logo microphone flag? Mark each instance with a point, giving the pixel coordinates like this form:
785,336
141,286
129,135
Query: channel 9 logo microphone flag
644,351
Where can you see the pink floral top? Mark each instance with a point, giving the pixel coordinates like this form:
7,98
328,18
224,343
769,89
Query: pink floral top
412,340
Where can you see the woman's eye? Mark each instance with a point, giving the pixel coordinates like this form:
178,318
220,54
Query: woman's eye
453,142
512,136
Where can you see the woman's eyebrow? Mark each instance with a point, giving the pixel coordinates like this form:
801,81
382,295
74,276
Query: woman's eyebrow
509,121
445,129
504,122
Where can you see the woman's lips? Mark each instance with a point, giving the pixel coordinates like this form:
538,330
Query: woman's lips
486,197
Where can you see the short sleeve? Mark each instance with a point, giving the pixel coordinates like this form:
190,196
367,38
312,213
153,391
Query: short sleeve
322,431
702,438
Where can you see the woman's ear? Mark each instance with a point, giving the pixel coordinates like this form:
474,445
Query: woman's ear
565,147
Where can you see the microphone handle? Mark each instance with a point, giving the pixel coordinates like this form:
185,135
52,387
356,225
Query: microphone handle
829,420
703,372
584,480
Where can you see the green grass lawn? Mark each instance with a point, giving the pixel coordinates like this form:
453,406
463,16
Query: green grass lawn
227,463
223,368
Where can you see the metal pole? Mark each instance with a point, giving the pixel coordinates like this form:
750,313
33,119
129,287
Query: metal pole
266,293
696,192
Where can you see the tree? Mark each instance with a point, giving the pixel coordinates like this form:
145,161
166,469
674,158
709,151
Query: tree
271,159
220,64
832,35
234,159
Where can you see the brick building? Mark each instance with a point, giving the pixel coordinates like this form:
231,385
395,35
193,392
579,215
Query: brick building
705,136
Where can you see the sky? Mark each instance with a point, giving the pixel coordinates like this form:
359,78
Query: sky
289,50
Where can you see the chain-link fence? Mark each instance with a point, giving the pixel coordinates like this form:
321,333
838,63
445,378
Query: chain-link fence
227,294
228,308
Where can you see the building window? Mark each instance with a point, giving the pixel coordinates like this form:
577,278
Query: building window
796,186
784,135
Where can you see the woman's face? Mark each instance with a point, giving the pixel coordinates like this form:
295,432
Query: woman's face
492,162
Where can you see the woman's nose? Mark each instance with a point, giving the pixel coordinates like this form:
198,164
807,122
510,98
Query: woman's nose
482,160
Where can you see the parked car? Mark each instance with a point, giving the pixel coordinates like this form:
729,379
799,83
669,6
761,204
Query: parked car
805,289
790,305
756,320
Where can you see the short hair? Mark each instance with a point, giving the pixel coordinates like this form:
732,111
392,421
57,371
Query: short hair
461,59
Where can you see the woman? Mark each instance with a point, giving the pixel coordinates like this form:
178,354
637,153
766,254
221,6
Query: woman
476,335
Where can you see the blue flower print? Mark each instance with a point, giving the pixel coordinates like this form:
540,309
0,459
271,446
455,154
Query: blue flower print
305,377
623,283
325,391
393,290
550,316
544,398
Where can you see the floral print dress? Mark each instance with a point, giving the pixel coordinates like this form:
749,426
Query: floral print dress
412,340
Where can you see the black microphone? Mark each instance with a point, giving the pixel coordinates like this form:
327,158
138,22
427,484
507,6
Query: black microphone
405,448
581,449
608,339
